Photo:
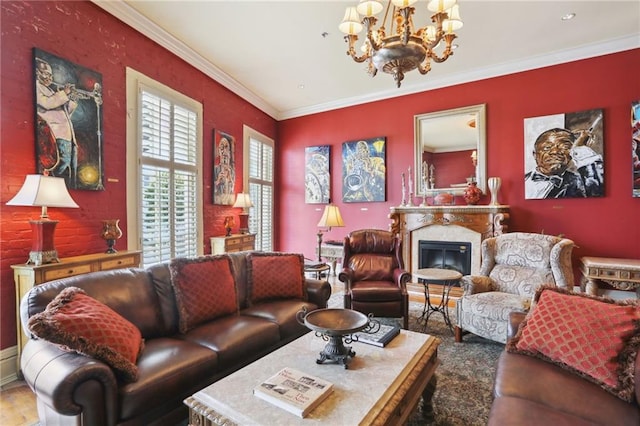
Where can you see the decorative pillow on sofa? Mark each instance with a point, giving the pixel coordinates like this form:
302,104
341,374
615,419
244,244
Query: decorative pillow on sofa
83,324
275,276
595,337
205,289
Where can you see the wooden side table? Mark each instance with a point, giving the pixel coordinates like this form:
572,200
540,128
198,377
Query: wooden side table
233,243
446,277
621,274
27,276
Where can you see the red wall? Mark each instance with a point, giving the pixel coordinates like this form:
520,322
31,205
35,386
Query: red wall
607,226
83,33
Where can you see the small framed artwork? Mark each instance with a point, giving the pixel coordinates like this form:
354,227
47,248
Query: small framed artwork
317,179
68,122
224,168
364,170
564,155
635,147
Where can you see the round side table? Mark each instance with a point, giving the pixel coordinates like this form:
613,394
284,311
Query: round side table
447,278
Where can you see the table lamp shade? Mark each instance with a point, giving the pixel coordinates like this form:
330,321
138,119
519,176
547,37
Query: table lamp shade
331,217
43,191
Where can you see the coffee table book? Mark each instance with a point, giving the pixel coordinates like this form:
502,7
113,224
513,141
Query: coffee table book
293,390
384,335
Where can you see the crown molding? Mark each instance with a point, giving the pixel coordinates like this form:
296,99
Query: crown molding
140,23
133,18
534,62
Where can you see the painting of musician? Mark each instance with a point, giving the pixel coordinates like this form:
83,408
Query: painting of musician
364,170
68,104
564,155
224,168
317,180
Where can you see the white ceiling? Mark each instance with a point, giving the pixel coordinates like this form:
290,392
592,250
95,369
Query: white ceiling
266,50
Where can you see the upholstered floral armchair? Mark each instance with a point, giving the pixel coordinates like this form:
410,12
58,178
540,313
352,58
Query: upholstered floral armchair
514,266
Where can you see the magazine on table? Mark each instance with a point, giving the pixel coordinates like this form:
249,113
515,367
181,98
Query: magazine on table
384,335
293,390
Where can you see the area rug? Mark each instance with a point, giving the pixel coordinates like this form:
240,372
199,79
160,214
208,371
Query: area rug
465,375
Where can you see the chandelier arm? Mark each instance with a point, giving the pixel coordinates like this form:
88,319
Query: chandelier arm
351,39
425,67
406,13
448,51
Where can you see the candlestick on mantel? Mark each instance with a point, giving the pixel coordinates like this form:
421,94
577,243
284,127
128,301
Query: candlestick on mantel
410,201
404,200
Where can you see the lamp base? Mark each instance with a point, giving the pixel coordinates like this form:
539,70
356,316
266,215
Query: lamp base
244,223
38,258
42,249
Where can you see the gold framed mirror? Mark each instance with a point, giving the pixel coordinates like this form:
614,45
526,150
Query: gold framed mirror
450,150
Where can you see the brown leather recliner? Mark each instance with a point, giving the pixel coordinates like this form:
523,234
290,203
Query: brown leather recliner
374,276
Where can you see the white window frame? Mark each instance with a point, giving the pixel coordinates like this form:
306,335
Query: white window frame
254,227
135,81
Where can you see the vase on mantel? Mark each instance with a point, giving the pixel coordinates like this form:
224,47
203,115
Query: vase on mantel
472,193
494,186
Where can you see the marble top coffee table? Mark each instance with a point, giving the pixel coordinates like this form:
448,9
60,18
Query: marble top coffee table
381,386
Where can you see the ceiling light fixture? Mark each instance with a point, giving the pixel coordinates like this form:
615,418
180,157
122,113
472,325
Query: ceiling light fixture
405,48
568,16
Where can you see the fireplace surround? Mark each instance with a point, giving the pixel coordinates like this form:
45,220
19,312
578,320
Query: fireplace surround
468,224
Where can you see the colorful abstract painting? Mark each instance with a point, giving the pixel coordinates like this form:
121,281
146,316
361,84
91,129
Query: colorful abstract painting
317,180
224,168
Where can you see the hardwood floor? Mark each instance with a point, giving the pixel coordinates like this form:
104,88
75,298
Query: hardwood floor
18,403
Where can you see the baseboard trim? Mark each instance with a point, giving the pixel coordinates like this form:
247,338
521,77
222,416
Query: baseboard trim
8,365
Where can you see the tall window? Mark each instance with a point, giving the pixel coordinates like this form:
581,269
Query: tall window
167,172
259,154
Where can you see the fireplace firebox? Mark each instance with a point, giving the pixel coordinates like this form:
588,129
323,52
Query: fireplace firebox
445,255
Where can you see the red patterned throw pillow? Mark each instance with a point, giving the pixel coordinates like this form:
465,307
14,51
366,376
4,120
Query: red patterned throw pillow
275,276
595,337
205,289
81,323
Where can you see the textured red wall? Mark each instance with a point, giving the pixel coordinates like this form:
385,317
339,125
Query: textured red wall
83,33
607,226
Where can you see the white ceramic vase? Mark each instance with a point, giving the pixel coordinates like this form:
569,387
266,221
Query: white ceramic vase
494,186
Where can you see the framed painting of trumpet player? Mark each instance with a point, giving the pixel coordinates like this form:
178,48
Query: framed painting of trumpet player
564,156
68,122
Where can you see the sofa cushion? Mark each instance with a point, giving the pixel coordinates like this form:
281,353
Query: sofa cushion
275,276
85,325
205,289
597,338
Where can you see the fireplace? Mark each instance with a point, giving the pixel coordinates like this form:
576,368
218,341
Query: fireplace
453,255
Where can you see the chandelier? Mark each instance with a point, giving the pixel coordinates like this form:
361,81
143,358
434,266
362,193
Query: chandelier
404,48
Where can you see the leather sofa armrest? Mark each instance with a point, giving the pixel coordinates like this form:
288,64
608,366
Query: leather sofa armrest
71,384
515,319
318,292
346,276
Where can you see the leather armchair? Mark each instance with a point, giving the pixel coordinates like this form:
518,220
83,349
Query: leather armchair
374,276
513,266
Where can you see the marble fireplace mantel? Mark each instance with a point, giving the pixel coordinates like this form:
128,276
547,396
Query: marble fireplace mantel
447,223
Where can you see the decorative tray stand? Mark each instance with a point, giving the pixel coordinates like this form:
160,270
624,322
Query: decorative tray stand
337,327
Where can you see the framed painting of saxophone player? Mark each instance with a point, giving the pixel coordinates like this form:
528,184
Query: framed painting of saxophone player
364,170
564,155
68,122
224,168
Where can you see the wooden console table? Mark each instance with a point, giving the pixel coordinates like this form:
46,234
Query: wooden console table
233,243
27,276
621,274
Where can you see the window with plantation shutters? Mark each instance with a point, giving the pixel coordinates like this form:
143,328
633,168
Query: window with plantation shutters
169,152
259,151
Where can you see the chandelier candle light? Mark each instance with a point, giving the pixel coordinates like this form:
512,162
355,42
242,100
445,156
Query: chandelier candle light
331,217
43,191
405,48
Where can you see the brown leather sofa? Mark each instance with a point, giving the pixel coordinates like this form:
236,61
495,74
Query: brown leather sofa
77,389
529,391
